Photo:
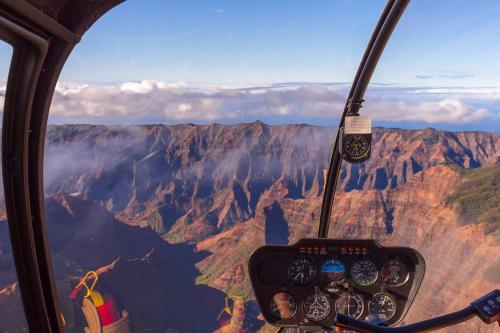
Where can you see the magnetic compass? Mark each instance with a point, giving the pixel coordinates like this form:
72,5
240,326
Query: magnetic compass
356,145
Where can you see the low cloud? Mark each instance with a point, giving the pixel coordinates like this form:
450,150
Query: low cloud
424,77
451,75
455,76
448,111
179,102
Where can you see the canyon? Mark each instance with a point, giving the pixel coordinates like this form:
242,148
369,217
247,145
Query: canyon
174,211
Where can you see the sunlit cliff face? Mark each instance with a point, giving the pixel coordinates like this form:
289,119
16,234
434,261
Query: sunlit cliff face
226,190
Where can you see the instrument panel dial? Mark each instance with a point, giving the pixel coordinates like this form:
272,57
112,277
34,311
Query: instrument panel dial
364,273
283,305
395,273
301,271
333,270
316,306
383,305
350,304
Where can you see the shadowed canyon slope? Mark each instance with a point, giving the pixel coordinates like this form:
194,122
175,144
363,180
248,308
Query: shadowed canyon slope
228,189
145,274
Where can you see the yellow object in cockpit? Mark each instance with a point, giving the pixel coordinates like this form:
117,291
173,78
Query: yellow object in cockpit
94,295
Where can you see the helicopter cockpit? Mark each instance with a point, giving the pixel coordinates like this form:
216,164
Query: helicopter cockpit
357,278
317,284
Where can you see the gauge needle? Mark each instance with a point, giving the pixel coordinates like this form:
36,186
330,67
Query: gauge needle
383,301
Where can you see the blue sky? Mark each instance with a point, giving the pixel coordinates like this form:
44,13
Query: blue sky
222,47
227,41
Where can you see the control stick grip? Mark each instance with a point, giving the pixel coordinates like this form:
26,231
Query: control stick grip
488,307
375,320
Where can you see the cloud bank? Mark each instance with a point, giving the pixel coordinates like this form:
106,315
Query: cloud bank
156,101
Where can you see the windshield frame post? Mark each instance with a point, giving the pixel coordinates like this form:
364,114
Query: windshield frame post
383,30
41,45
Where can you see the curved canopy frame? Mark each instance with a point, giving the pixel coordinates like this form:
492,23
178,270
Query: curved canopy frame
381,34
43,33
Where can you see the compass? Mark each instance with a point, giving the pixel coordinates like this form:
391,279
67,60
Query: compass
356,146
356,139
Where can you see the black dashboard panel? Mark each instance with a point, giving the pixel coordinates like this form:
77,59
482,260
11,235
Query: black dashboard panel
307,283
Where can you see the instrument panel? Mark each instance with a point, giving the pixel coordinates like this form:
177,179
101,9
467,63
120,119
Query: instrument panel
308,283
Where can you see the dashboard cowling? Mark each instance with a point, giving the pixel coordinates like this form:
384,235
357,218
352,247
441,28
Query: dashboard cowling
306,283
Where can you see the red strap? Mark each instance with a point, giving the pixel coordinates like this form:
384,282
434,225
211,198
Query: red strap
108,312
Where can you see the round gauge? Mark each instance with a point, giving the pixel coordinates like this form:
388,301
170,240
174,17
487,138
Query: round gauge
382,305
283,305
270,271
364,273
301,271
316,306
395,273
334,270
349,304
356,145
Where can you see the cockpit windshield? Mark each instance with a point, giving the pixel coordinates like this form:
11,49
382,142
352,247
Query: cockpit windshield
184,135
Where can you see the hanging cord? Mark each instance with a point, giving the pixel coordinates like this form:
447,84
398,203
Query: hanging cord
94,295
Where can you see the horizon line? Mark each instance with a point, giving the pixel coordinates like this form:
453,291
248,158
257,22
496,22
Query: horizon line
267,124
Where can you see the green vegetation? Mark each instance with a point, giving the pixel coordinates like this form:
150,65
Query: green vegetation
456,167
432,138
155,221
477,198
212,272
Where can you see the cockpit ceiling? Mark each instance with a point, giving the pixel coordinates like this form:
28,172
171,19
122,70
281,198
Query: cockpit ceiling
75,15
51,8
